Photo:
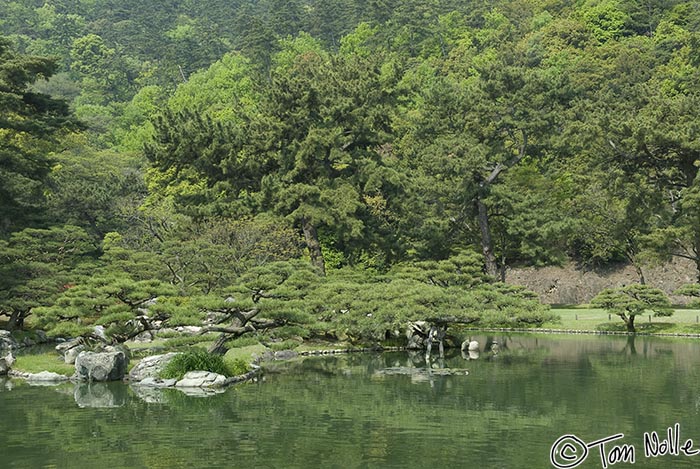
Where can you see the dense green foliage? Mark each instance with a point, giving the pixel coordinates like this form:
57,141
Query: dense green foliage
298,169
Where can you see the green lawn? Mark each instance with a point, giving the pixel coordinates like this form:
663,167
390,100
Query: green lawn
48,361
591,319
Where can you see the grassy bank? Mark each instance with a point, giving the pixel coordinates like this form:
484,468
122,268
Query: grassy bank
48,361
683,321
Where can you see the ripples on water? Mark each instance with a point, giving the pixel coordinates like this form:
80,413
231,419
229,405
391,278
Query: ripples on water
347,411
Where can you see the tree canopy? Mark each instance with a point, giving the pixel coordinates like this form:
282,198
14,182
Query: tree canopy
302,168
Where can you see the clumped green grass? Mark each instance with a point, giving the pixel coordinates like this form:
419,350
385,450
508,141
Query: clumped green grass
195,360
49,361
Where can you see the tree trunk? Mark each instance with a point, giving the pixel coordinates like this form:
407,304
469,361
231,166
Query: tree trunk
219,346
17,320
311,238
640,273
630,323
631,256
486,242
696,251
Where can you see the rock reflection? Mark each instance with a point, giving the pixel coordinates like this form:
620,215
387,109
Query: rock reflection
100,395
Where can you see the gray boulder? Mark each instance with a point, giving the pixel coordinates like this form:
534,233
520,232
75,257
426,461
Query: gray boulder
64,346
104,366
150,367
201,379
470,346
415,342
72,353
7,342
6,363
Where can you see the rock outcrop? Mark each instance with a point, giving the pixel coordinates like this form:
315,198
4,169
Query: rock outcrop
7,342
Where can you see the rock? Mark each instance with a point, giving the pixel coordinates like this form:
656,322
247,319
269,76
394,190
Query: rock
7,342
67,345
46,378
166,332
201,379
105,366
470,345
99,395
416,333
70,355
285,355
189,330
6,363
150,367
145,336
28,342
117,348
99,332
41,337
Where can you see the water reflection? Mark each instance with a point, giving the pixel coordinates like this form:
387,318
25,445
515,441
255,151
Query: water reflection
375,410
100,395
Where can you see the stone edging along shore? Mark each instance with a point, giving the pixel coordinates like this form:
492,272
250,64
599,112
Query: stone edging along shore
507,329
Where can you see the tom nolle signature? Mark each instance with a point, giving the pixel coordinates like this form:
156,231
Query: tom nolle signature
570,451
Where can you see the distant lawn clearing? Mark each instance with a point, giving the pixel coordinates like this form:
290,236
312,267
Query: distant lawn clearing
590,319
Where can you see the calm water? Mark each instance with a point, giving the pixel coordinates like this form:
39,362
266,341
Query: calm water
349,411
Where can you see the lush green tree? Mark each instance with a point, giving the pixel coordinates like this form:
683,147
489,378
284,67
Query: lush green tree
264,298
37,265
310,153
29,125
99,191
692,290
490,109
121,306
444,293
632,300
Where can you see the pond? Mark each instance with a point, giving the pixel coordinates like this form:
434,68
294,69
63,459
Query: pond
372,410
